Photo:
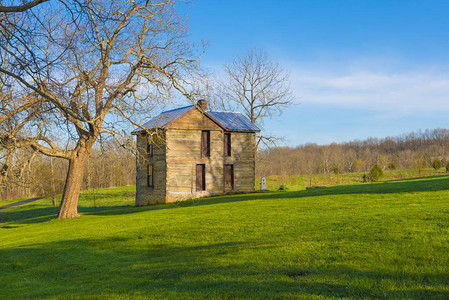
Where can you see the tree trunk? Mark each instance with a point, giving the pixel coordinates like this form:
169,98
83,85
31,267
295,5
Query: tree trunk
53,188
5,167
74,179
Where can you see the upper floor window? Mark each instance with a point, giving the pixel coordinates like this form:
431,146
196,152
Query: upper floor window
227,144
149,150
205,143
150,179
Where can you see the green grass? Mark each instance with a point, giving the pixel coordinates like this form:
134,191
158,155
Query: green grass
377,240
6,202
300,182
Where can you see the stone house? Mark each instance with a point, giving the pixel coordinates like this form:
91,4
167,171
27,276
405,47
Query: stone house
191,152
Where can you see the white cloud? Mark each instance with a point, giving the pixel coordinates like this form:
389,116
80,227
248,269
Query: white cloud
404,92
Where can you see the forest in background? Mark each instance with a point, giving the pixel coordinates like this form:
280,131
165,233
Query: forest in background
109,165
416,150
34,174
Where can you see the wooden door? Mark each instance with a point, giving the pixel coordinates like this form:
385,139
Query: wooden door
200,177
229,176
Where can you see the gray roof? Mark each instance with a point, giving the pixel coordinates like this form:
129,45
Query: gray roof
233,121
228,120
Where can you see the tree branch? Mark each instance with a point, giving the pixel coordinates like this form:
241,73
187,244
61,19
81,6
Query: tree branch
21,8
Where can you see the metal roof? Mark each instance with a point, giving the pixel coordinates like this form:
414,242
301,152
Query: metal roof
233,121
228,120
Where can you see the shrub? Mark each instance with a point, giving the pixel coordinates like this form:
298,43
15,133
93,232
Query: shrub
357,165
436,164
392,165
365,177
375,173
282,188
447,167
336,170
427,160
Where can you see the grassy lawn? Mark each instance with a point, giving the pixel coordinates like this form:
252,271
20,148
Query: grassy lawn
377,240
6,202
300,182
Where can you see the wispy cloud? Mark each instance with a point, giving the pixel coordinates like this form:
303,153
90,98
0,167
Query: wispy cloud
404,92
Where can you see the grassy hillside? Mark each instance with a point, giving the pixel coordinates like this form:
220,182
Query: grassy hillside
299,182
386,240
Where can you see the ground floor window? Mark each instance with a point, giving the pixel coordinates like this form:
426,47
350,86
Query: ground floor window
150,176
201,177
229,176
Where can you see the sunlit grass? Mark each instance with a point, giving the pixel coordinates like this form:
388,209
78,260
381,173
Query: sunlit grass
375,240
300,182
6,202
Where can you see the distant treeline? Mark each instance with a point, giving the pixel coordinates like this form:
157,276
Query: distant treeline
33,174
416,150
109,165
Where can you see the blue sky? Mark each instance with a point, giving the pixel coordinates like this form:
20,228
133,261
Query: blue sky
358,68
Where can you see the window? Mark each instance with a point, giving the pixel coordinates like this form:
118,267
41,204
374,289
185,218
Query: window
201,177
205,143
227,144
150,150
150,176
229,176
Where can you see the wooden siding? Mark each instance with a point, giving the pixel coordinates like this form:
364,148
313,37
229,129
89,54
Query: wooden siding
243,159
184,153
193,120
150,195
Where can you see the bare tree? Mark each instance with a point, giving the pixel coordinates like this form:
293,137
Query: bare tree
86,67
17,108
257,85
22,7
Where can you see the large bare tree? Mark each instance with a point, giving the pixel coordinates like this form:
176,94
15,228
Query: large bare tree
81,68
14,116
257,85
23,6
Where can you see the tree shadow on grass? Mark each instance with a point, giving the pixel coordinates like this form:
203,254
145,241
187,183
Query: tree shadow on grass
424,184
44,214
411,185
126,267
22,215
33,214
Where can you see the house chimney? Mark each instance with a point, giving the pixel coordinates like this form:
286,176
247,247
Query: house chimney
202,104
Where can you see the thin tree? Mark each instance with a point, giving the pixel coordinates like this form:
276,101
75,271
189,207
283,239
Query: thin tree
89,66
257,85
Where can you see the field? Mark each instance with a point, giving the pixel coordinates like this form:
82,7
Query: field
375,240
300,182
